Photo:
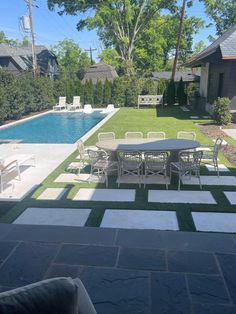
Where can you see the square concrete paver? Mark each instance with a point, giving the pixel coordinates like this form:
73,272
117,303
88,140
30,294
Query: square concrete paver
139,219
210,180
192,197
231,196
52,194
105,195
216,222
82,177
230,132
222,168
147,180
54,216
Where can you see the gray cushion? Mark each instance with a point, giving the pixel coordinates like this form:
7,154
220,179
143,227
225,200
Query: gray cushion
58,295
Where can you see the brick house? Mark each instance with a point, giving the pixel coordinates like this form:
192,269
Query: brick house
218,69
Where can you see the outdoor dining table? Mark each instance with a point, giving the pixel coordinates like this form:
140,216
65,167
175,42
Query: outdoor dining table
174,146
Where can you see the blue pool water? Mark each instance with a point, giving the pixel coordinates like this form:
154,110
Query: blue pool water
53,128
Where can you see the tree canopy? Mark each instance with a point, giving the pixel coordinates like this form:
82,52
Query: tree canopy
14,42
119,23
222,13
72,60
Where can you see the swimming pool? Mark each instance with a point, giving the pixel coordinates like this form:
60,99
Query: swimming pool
63,127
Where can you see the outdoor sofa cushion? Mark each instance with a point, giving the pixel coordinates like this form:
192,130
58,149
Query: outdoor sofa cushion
51,296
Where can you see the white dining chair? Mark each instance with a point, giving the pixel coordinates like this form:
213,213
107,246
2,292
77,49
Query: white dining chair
133,135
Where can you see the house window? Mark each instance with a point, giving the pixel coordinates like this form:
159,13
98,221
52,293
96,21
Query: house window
220,85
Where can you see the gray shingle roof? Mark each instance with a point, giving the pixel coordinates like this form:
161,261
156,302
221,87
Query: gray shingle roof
186,76
100,71
9,51
226,43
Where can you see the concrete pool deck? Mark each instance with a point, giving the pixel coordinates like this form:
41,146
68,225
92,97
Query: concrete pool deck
47,156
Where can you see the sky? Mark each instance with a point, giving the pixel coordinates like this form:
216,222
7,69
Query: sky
50,28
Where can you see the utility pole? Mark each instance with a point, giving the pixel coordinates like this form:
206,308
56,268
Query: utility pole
90,50
34,56
178,39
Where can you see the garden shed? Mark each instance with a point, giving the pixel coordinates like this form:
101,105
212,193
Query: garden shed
100,72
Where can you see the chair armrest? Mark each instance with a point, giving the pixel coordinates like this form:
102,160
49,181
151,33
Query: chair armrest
8,165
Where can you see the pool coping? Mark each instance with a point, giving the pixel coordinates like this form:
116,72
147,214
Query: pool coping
83,138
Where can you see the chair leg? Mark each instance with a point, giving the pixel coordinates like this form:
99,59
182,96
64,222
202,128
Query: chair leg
179,182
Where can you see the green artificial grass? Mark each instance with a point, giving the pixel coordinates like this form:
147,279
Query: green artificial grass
170,120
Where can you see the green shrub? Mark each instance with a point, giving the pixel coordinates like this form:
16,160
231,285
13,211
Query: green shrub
181,95
161,87
149,87
107,92
221,110
88,92
118,91
170,93
98,93
133,89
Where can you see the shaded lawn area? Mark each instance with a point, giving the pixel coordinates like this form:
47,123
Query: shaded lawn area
169,120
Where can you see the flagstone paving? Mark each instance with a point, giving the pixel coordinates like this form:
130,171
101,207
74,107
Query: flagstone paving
127,271
231,196
54,216
52,194
217,222
193,197
210,180
222,168
139,219
105,195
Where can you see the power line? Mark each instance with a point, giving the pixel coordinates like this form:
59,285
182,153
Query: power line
90,50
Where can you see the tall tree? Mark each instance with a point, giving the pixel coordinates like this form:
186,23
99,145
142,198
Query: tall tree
14,42
72,60
222,13
119,23
110,56
161,37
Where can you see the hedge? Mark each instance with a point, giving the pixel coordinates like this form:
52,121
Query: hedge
23,94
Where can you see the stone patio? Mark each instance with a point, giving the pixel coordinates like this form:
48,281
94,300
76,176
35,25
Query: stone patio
127,271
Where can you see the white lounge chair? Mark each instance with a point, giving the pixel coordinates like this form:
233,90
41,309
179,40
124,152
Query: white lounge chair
88,109
61,104
11,165
108,109
75,104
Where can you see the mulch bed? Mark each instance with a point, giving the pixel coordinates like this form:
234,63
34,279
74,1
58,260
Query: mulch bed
214,131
